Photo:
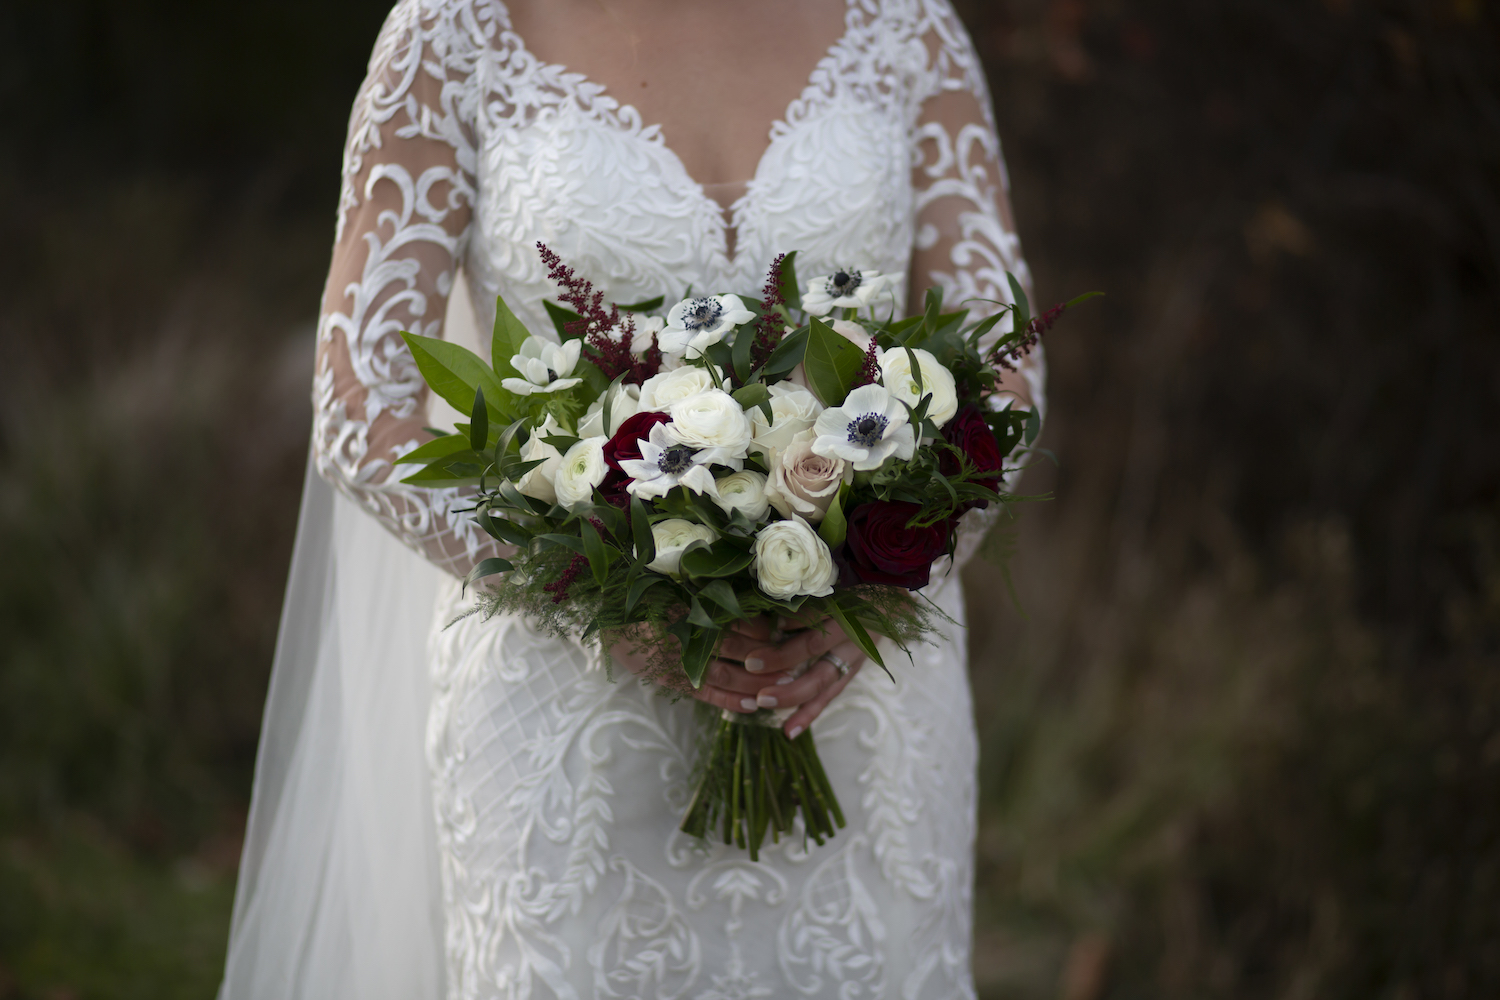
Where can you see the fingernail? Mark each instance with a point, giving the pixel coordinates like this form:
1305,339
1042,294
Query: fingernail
748,704
754,664
766,701
786,679
794,732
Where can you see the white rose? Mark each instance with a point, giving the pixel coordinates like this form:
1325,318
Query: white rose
793,410
539,481
790,560
659,392
744,491
937,381
671,537
624,400
582,468
712,420
803,482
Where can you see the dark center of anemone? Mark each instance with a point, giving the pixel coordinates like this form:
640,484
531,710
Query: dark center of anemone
551,375
867,430
675,460
702,312
844,282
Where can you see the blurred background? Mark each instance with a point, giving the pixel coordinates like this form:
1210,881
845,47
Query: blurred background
1242,737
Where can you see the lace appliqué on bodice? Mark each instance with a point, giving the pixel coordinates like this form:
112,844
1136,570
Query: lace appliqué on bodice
464,150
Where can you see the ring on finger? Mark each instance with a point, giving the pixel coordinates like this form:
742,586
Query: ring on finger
839,663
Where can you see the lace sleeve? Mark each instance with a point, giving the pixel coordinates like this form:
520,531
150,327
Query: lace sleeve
965,234
404,213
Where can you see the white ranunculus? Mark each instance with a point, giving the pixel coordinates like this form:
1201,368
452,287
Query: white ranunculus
659,392
694,325
544,366
582,468
712,420
791,560
803,482
671,537
868,428
744,491
624,400
539,481
937,382
793,410
850,288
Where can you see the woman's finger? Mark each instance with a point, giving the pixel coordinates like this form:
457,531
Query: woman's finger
810,710
734,701
822,673
734,677
799,648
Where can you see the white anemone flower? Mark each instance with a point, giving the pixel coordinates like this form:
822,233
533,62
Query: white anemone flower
868,428
666,464
544,366
694,325
850,288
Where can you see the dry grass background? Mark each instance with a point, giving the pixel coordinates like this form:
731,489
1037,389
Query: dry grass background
1244,740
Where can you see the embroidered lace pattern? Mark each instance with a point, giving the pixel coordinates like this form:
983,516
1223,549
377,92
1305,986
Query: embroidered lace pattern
557,790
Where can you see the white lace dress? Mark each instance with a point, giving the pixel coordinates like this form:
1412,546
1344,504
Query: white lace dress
558,792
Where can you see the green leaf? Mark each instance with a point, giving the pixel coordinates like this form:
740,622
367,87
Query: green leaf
572,542
856,631
640,526
744,342
721,355
455,373
1023,307
831,363
487,567
638,588
751,395
791,290
506,340
835,527
1033,426
560,319
442,447
479,422
931,311
698,645
716,561
698,616
1075,300
644,306
788,354
562,442
598,556
722,594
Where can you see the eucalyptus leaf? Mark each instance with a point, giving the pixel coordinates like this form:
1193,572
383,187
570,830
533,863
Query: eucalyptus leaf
487,567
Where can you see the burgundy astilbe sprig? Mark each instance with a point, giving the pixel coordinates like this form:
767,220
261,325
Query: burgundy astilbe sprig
768,330
559,588
605,332
1006,357
869,372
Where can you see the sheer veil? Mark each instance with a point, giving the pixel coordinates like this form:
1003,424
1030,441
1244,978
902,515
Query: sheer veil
339,895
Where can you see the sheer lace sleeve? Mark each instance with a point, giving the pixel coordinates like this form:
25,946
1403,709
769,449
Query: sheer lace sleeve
965,234
404,214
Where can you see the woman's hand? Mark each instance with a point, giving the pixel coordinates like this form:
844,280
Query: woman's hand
774,664
727,684
757,668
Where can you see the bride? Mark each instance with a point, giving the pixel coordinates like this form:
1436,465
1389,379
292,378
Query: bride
479,811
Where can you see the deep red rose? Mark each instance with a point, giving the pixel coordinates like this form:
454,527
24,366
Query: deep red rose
626,445
880,548
968,432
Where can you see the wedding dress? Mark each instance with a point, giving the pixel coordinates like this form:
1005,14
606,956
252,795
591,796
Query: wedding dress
537,854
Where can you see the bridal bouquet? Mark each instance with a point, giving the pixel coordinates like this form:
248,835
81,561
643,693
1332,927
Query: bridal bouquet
662,476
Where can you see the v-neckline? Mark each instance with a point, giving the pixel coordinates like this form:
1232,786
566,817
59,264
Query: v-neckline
727,217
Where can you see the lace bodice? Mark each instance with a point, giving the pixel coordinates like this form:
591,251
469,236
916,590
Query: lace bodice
465,149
